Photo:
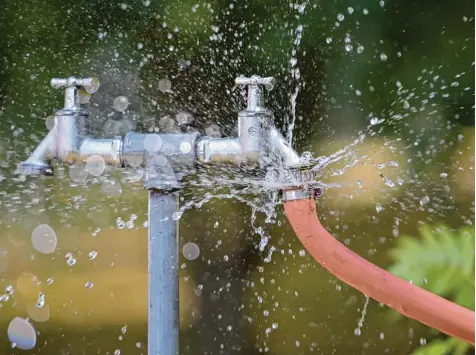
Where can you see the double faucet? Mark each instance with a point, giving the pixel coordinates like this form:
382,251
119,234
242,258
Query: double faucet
166,156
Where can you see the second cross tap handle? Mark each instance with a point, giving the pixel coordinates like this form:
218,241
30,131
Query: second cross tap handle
78,90
254,90
268,82
91,85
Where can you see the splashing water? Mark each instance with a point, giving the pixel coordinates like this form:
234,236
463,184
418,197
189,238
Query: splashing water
360,323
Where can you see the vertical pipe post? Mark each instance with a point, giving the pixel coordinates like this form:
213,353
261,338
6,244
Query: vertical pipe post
163,331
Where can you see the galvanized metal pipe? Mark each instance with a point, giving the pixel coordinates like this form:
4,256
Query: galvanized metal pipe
163,331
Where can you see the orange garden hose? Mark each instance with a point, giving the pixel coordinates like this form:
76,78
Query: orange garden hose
404,297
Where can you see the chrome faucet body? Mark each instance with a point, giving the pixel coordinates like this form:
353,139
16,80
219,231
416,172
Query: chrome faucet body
167,159
258,143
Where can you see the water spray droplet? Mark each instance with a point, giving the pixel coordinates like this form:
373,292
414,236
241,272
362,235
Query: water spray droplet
50,122
78,173
120,103
424,200
95,165
165,85
44,239
152,143
22,334
191,251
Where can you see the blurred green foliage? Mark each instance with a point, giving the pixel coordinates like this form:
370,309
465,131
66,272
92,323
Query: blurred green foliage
442,262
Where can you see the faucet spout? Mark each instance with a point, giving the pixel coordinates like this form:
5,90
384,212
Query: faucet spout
285,152
36,163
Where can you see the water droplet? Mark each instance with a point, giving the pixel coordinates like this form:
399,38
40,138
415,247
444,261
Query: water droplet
9,290
374,121
424,200
120,103
92,255
95,165
182,63
78,173
117,352
152,143
89,285
340,17
348,47
120,223
50,280
329,40
213,131
166,123
43,239
357,331
302,252
350,10
379,208
165,85
39,314
360,49
383,57
191,251
358,92
50,122
40,302
22,334
422,341
184,118
70,259
185,147
176,215
443,175
365,11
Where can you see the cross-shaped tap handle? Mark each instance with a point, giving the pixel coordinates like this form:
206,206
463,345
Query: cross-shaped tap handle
78,90
254,90
268,82
91,85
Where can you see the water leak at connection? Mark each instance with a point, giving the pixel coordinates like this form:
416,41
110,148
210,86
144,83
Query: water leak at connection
388,147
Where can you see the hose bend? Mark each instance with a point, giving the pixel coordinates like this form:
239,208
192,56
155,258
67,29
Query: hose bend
404,297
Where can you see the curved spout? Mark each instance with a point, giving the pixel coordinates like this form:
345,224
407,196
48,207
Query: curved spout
279,146
404,297
36,163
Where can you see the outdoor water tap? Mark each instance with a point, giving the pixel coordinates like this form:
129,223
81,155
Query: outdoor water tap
258,139
68,140
167,158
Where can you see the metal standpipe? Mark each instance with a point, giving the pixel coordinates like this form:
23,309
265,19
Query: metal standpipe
163,266
168,158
